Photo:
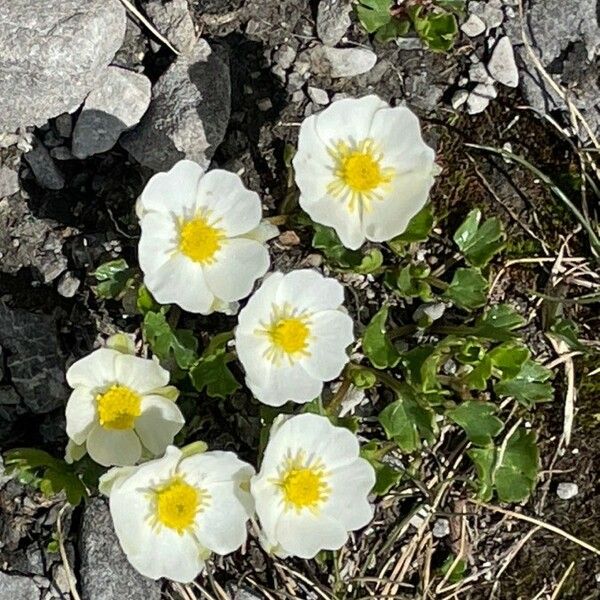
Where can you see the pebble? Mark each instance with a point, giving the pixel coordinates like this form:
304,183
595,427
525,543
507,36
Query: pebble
459,98
479,74
174,21
473,26
68,285
289,238
116,105
502,66
479,98
44,170
566,491
342,62
9,182
441,528
64,125
17,587
284,56
318,96
333,20
61,153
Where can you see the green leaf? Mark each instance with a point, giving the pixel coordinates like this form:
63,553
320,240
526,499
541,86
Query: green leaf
362,378
167,343
479,421
516,470
418,230
484,458
478,378
479,243
468,289
370,262
437,29
568,331
529,386
411,281
145,301
508,358
393,30
407,422
113,277
374,14
375,343
455,6
458,572
211,371
501,318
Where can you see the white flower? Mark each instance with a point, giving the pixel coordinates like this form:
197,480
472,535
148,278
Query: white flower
171,513
292,336
120,408
312,487
363,169
202,244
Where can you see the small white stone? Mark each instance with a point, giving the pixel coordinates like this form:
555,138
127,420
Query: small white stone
441,528
566,491
479,74
459,98
473,26
479,98
342,62
502,65
318,96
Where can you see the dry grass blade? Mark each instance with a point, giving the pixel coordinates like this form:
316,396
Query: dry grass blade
134,11
556,592
543,524
63,555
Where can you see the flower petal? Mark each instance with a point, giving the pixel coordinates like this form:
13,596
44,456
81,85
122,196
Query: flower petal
237,209
158,424
331,332
334,212
158,241
94,370
251,350
349,119
113,447
264,232
259,306
304,534
174,191
80,414
180,281
286,382
308,290
140,374
237,267
350,485
390,216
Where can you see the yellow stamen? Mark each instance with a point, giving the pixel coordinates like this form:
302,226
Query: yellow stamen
177,503
199,240
118,407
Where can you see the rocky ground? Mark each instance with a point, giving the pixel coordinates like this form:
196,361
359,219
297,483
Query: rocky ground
108,102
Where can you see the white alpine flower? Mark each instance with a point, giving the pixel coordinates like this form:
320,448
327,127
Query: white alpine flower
312,487
202,244
363,168
171,513
292,336
120,408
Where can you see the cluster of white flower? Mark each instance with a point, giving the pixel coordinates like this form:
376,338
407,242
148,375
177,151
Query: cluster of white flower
362,168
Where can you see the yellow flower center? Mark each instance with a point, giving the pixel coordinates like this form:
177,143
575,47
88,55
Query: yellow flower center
200,241
288,333
358,176
177,503
118,407
303,484
291,334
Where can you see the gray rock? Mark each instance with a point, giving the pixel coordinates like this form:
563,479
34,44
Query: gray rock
318,96
9,182
17,587
61,153
68,285
284,56
46,173
441,528
479,74
173,20
64,125
188,113
502,66
333,20
105,572
566,491
34,360
473,26
53,53
459,98
479,98
490,12
117,104
341,62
